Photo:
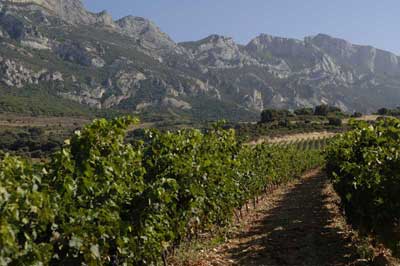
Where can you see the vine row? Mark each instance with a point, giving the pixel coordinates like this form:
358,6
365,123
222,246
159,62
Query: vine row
103,201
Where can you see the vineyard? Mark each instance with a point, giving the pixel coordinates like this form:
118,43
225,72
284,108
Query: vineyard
364,165
103,201
304,140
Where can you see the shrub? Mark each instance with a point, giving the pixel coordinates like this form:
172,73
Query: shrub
304,111
324,110
321,110
271,115
383,111
335,121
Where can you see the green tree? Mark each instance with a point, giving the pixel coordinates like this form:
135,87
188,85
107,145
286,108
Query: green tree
322,110
335,121
383,111
357,114
272,115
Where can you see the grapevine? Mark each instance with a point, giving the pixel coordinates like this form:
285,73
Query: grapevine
103,201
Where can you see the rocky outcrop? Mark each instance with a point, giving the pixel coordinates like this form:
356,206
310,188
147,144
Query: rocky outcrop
362,58
147,34
37,43
295,53
175,103
219,52
71,11
15,74
128,81
255,101
77,53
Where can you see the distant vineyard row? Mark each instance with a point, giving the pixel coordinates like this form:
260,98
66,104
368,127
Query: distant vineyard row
102,201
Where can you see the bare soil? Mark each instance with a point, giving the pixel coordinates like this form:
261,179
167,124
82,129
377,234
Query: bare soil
296,225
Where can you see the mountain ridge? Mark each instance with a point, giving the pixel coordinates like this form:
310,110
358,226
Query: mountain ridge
132,65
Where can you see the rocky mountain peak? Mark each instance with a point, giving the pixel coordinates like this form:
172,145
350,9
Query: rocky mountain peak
322,37
334,46
146,32
49,4
143,31
219,51
70,11
219,39
268,39
138,25
296,53
277,45
104,18
210,42
364,59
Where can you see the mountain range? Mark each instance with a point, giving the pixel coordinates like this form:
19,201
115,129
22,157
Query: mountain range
57,52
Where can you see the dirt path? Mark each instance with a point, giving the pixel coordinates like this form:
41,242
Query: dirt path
299,224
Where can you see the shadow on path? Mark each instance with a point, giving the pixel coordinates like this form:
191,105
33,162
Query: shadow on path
300,230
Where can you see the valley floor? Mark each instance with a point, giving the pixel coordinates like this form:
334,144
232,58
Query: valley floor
298,224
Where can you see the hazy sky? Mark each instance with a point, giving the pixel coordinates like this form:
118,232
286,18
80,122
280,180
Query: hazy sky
369,22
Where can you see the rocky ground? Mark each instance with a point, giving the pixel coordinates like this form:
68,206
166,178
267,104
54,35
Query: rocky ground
298,224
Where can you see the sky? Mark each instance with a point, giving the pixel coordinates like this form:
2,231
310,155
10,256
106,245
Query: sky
369,22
